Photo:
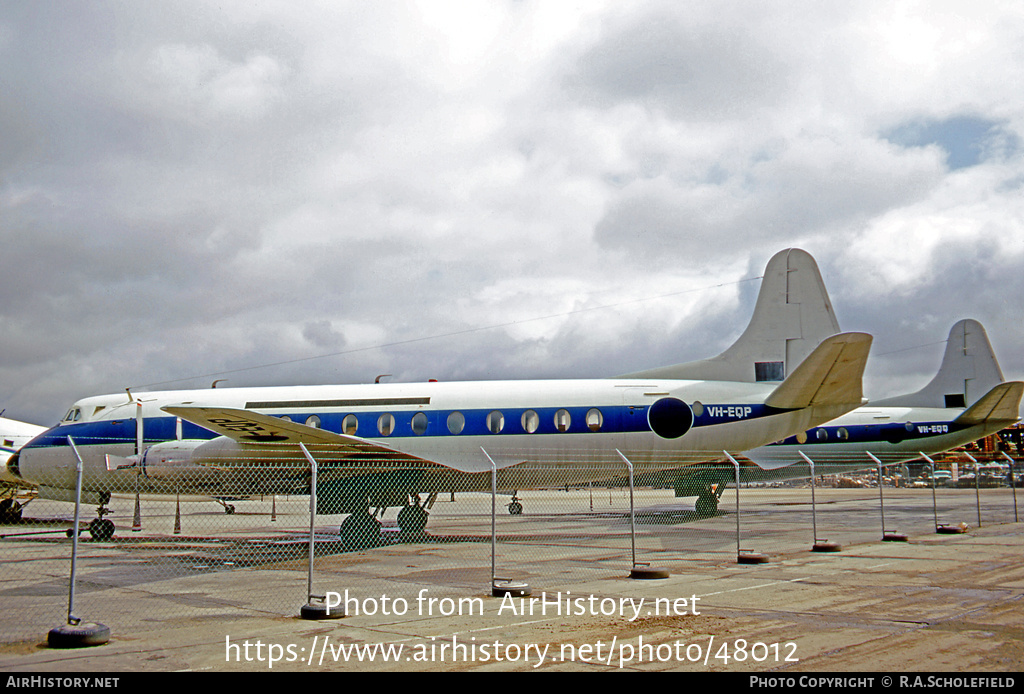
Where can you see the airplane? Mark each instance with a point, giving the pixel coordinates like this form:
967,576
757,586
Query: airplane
382,445
968,398
13,435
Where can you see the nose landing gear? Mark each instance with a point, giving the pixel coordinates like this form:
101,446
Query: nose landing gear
100,528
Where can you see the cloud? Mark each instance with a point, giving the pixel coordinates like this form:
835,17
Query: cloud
489,190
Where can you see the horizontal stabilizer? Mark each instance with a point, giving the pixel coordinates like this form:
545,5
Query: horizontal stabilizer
1002,403
831,375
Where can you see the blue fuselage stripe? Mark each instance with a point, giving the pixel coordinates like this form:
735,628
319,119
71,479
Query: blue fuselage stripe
873,433
614,419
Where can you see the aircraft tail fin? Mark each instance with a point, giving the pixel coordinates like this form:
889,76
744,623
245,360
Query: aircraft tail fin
969,371
792,316
832,375
1001,404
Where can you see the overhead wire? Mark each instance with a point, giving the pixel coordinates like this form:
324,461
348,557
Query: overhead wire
455,333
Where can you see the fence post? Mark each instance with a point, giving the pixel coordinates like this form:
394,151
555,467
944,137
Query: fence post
316,606
644,570
890,536
943,528
1013,485
822,545
500,586
977,482
743,556
76,633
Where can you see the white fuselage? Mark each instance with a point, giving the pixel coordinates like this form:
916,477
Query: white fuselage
555,430
891,434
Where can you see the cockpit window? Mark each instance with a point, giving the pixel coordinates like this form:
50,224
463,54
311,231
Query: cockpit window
73,415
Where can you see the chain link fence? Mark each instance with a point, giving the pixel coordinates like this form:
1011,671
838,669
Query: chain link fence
253,521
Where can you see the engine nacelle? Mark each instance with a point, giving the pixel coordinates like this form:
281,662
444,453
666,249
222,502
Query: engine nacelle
173,458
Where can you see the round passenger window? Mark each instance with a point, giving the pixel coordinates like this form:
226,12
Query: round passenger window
530,421
822,435
419,423
562,420
386,424
495,422
313,421
350,425
594,419
670,418
456,422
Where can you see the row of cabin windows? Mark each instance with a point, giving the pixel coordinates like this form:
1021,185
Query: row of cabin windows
495,421
822,435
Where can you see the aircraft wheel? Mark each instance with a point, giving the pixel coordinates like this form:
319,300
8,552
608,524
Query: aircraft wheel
515,508
229,509
10,511
360,530
412,519
101,529
707,505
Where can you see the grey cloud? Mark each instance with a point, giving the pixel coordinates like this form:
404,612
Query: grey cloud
195,188
692,70
801,190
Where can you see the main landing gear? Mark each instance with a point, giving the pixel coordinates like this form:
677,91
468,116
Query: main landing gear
412,519
707,493
10,512
360,530
515,507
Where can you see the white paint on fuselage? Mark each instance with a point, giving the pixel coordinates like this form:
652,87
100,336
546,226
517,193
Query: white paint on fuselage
14,435
549,454
844,456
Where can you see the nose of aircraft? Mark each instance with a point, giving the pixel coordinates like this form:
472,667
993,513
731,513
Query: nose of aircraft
28,462
10,472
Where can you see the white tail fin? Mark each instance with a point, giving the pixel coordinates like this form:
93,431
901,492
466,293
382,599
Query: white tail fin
792,316
969,370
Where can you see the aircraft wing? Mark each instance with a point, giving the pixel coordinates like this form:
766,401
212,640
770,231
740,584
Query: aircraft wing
252,428
1000,403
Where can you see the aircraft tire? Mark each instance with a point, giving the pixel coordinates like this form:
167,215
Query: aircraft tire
101,529
360,530
707,506
10,512
515,509
412,519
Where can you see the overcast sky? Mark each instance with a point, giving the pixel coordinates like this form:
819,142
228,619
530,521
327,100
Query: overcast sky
437,189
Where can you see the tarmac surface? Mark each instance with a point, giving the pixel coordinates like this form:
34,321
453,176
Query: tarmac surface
225,594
